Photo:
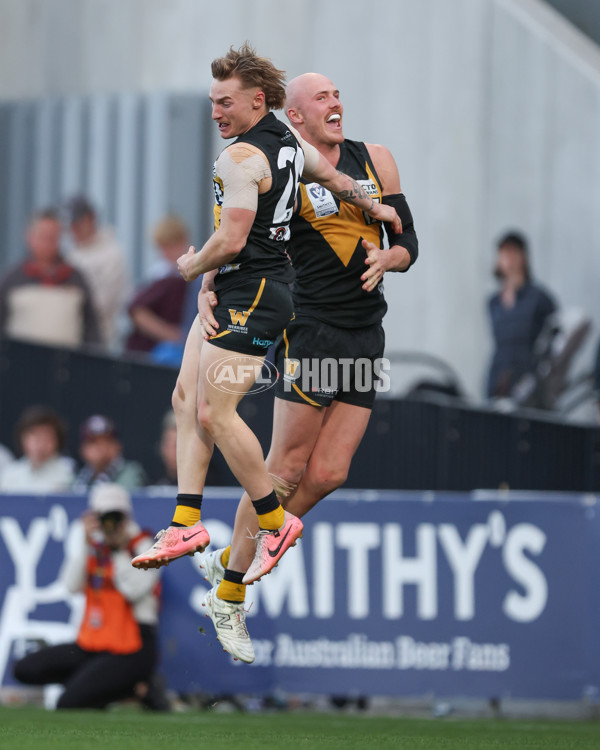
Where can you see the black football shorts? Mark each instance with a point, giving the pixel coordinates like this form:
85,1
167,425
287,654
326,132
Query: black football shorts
319,363
251,315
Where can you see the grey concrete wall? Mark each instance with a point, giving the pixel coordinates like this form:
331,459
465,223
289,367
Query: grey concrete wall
491,108
585,14
544,151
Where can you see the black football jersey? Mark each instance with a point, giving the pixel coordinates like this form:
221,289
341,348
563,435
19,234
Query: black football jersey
326,248
265,252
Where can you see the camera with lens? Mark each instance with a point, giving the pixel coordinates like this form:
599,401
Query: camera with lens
110,521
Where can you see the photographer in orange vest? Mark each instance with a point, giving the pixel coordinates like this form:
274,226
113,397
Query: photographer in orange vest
115,652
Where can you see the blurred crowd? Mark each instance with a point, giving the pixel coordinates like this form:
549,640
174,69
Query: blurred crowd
39,464
83,295
73,288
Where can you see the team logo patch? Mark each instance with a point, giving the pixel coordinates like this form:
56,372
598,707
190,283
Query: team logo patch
238,318
279,234
291,369
218,188
322,200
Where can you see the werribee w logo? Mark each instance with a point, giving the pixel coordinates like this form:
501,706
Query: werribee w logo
239,318
242,374
291,369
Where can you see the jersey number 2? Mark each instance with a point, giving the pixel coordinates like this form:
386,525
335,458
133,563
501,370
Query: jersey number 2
285,205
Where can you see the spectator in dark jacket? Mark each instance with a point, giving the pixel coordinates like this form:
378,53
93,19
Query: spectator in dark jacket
518,313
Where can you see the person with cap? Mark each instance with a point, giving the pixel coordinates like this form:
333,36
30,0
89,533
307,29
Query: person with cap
115,652
518,313
101,259
40,438
102,453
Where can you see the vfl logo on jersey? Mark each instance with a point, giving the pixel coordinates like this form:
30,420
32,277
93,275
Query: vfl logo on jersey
291,369
238,318
322,200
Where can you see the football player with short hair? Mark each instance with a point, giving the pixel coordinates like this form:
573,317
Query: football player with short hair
339,258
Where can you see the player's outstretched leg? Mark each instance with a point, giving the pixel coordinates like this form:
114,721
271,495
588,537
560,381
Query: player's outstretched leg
229,619
186,534
271,545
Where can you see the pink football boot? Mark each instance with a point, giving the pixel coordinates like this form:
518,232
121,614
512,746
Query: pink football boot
171,544
270,546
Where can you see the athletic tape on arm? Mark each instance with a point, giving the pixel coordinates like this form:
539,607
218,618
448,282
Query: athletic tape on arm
408,238
240,180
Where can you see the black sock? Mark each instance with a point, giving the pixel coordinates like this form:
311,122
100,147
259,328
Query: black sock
234,576
266,504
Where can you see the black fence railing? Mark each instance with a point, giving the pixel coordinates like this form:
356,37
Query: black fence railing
418,443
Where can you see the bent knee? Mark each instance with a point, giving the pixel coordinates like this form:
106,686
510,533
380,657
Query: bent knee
210,419
327,476
288,464
289,472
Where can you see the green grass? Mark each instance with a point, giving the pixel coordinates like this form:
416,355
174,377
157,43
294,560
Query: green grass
35,729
